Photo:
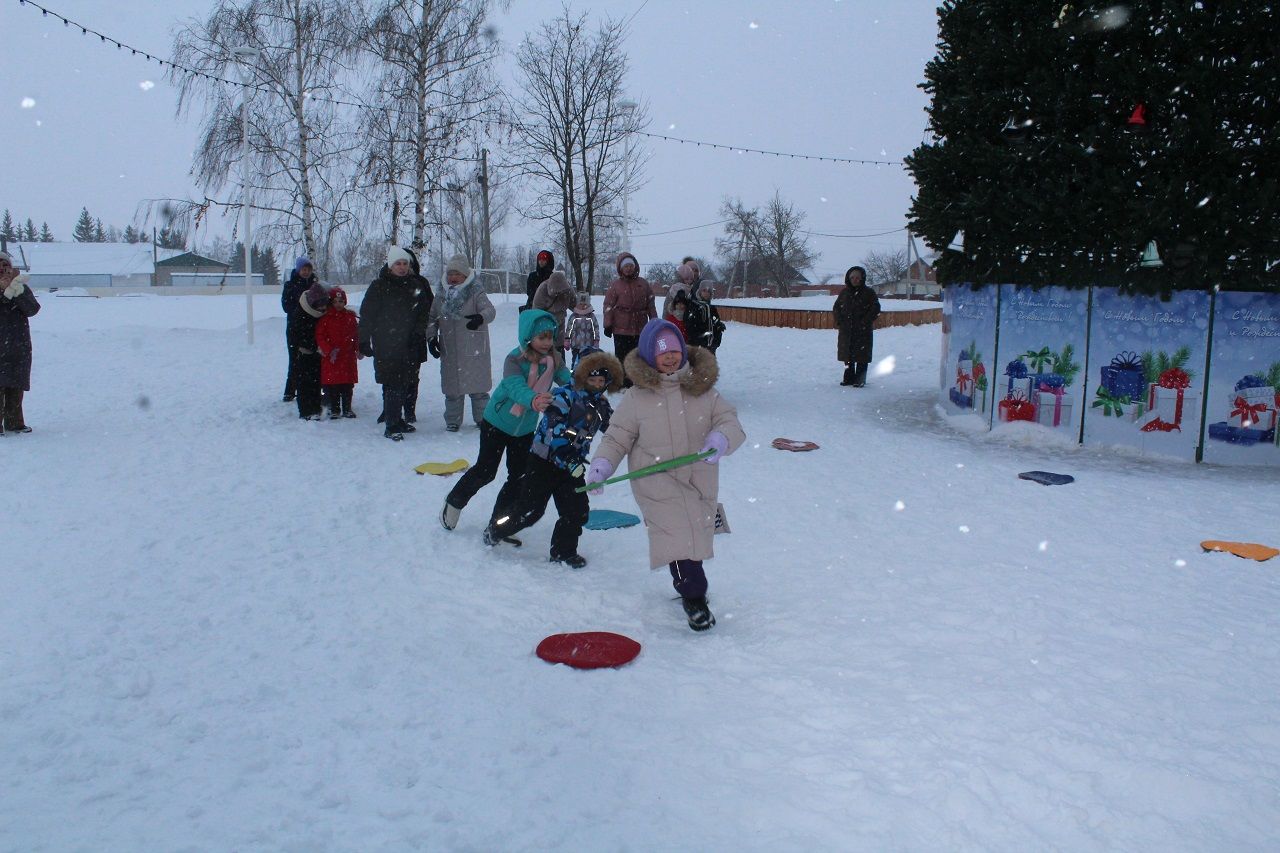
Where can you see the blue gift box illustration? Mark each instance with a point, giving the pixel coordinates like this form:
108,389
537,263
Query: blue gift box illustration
1125,376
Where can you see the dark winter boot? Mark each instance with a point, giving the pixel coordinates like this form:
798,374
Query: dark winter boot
573,561
700,618
860,375
848,375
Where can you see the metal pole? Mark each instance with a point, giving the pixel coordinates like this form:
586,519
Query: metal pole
628,110
485,247
248,220
246,56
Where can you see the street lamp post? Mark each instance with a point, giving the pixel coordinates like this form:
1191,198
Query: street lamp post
628,109
247,59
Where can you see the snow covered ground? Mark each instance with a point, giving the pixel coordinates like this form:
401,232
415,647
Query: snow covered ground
222,628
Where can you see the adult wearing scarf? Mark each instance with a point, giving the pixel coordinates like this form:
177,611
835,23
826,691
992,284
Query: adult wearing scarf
458,335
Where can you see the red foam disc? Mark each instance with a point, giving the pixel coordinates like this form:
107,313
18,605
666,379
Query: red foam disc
589,649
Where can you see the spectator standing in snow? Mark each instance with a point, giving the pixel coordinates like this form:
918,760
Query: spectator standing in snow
511,416
856,310
423,297
673,410
391,322
306,357
702,321
688,274
338,340
458,335
545,264
556,296
17,306
677,310
303,276
628,305
582,330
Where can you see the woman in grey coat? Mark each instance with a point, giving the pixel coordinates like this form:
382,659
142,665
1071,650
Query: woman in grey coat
458,335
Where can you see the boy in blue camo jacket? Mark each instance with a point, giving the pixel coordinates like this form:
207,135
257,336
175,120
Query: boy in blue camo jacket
559,455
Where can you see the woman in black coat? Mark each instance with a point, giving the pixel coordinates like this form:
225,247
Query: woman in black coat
17,305
393,328
856,310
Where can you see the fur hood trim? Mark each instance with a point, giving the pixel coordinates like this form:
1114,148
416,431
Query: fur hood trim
697,377
595,361
306,306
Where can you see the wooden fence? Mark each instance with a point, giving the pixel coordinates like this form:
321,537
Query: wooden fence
790,319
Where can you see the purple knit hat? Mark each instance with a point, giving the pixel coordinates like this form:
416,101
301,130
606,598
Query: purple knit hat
659,336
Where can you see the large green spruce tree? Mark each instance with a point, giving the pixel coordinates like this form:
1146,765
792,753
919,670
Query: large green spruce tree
1035,157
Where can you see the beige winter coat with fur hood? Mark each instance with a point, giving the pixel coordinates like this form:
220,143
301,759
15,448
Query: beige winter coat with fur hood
662,417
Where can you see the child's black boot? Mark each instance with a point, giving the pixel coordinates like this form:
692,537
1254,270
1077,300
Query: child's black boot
700,618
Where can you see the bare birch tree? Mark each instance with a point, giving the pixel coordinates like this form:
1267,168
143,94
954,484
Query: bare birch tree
300,144
772,241
433,91
570,126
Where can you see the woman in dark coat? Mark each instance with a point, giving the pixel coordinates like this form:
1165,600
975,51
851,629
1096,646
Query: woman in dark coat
17,305
392,328
856,310
304,275
546,264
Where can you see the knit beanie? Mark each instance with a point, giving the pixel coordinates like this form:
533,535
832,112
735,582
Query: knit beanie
334,293
459,264
302,261
687,273
545,258
659,336
317,296
395,253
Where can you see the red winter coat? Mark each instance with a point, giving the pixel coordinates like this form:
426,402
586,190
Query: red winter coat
338,332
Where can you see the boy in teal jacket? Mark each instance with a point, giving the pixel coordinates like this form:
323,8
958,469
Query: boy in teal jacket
511,416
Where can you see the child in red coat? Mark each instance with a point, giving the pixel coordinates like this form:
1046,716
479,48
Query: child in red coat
338,339
677,311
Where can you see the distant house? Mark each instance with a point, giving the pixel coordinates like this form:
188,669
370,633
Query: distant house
748,278
920,282
89,264
189,269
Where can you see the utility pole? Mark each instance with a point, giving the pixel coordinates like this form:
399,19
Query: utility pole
484,206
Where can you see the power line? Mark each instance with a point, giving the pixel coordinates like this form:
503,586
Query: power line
744,150
854,236
679,230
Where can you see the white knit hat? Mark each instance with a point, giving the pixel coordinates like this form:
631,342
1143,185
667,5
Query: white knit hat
459,264
395,253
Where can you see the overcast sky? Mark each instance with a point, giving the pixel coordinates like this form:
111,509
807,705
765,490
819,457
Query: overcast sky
87,125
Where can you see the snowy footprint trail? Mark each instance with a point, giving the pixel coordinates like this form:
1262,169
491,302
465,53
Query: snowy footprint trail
224,628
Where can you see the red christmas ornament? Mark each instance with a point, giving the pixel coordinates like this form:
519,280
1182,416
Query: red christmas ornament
1138,119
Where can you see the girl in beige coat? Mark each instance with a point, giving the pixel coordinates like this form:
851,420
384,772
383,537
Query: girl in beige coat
673,410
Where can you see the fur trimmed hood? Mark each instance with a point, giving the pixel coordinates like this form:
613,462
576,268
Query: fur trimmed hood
595,361
697,377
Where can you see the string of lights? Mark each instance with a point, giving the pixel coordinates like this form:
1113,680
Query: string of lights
744,150
185,70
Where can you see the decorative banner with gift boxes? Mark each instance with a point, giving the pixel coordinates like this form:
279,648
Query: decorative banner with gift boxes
1146,371
1041,356
1151,374
1243,399
968,337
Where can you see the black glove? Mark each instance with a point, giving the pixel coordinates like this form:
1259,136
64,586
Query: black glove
433,346
474,321
366,349
608,331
